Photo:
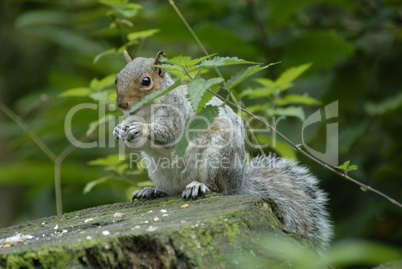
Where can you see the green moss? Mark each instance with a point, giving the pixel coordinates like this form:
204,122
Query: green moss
201,235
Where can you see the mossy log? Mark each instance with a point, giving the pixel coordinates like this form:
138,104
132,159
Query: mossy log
162,233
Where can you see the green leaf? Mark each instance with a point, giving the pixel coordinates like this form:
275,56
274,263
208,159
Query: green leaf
76,92
196,61
242,75
153,96
388,105
104,53
142,34
129,10
297,99
291,111
324,48
113,159
266,82
113,2
257,93
256,108
93,125
170,68
90,185
285,80
352,167
343,166
197,89
222,61
105,82
42,17
198,124
179,60
283,149
100,96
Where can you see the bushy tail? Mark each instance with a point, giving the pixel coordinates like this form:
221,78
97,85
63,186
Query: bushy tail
294,189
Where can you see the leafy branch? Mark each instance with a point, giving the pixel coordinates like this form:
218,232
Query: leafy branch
263,121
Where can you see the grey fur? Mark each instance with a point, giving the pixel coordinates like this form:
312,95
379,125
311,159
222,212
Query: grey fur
156,127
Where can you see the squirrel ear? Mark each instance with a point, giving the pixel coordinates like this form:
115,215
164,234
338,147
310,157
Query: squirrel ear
161,71
127,57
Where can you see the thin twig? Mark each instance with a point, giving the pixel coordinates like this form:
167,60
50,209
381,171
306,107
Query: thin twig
57,177
122,36
261,28
171,2
28,130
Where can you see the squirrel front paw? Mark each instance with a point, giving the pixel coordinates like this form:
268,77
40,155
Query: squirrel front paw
119,131
148,193
195,190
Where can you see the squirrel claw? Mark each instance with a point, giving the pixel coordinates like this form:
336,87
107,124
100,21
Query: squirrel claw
131,132
195,190
148,193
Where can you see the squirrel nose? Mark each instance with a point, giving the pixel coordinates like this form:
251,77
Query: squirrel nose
122,105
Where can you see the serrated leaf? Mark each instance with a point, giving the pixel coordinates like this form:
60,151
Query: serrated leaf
285,80
292,111
90,185
153,96
256,108
142,34
104,53
266,82
197,89
222,61
76,92
352,167
196,61
205,99
179,60
343,166
297,99
198,124
256,93
242,75
170,68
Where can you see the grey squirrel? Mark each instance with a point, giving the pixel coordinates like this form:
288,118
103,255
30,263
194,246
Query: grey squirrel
214,161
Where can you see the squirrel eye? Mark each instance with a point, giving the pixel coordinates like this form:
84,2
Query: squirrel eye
146,81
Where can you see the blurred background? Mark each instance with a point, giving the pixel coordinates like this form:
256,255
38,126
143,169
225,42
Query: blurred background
55,55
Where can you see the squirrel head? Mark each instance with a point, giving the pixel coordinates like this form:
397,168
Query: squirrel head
138,79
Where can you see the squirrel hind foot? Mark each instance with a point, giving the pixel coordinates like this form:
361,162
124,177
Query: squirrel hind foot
148,193
195,190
